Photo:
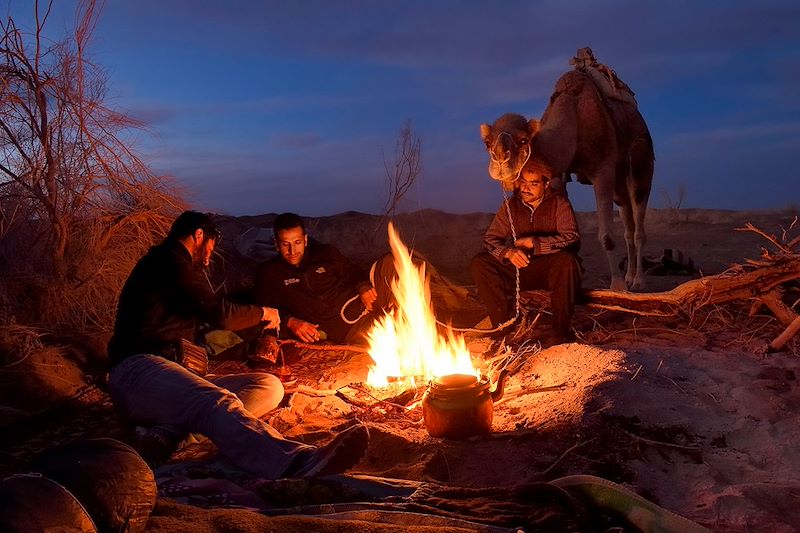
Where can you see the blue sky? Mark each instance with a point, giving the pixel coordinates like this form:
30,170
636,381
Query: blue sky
263,107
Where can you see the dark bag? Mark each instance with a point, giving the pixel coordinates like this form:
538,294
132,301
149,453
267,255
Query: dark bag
192,357
112,482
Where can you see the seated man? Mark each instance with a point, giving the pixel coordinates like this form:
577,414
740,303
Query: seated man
165,300
544,249
319,291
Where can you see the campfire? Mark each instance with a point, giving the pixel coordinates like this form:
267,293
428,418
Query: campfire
407,345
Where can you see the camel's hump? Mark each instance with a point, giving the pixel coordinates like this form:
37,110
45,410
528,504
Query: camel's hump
604,80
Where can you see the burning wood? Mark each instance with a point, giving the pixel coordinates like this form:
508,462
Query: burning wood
406,344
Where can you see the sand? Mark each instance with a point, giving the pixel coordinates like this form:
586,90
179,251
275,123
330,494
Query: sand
689,412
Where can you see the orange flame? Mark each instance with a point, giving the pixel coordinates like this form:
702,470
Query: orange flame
405,342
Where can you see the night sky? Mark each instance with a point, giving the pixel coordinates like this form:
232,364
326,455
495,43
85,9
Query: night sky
261,107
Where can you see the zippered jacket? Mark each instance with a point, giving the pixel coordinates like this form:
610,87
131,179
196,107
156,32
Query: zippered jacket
167,298
313,291
552,225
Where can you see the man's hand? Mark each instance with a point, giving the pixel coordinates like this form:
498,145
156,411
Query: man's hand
518,258
305,331
271,317
368,297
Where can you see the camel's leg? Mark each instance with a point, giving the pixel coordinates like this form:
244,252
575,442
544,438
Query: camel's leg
632,200
604,197
634,267
635,238
639,209
639,183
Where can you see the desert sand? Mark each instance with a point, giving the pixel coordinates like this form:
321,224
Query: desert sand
690,412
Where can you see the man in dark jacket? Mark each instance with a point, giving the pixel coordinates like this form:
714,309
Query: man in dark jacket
534,232
167,299
320,292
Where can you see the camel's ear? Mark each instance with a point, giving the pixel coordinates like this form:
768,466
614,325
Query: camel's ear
486,130
534,125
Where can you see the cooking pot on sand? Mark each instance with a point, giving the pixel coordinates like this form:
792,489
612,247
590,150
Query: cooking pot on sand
458,406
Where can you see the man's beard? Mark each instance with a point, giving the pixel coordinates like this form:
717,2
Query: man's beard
201,257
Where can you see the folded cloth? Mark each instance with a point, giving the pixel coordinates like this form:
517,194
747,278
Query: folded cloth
219,340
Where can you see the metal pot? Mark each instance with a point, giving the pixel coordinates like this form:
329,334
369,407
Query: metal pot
458,406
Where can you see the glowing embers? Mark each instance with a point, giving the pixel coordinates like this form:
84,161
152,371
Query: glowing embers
406,345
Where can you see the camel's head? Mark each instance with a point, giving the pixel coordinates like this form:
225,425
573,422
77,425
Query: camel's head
508,143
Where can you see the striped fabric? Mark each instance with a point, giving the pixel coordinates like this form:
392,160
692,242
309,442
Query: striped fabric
552,226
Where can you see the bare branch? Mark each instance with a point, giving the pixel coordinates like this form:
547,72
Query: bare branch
406,168
771,238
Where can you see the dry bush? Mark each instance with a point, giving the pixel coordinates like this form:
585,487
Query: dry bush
77,205
673,204
103,247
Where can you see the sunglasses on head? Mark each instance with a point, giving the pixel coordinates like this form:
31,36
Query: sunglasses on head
213,233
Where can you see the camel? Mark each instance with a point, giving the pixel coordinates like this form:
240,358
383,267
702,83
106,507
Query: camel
593,129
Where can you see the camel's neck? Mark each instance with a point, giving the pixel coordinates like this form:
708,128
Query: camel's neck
553,148
556,142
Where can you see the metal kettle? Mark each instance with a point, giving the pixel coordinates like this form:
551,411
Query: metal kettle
458,406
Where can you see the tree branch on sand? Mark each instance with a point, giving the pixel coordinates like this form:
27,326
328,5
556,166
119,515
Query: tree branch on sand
781,340
738,283
762,283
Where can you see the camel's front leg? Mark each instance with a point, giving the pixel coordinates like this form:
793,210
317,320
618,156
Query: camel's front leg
604,196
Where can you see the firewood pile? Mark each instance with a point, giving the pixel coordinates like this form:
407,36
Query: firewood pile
771,282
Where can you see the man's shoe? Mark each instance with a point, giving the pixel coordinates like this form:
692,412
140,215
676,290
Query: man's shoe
339,455
155,444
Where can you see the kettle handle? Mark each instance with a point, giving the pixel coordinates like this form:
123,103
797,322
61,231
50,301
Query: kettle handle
497,393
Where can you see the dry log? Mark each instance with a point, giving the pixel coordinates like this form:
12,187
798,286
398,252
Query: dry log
736,284
773,301
784,337
322,346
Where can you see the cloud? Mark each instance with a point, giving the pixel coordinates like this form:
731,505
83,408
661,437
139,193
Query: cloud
737,133
302,140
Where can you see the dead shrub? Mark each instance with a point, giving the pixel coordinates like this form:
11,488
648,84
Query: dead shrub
77,205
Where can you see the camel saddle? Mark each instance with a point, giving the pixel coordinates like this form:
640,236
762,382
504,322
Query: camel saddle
603,76
618,98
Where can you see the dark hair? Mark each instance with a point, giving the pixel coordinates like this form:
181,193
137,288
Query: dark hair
190,221
287,221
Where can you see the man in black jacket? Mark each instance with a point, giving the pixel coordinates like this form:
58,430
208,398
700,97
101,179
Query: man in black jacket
167,299
320,292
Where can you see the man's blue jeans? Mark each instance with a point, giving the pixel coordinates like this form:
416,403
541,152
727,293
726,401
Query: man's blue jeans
151,390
